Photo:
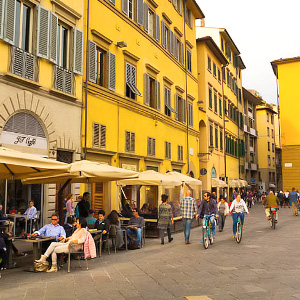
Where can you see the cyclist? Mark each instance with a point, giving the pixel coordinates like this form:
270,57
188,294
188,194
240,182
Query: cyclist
207,208
238,206
271,201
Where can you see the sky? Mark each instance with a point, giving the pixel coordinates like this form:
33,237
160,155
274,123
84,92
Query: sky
263,30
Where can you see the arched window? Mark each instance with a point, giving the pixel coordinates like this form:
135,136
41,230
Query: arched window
213,173
24,129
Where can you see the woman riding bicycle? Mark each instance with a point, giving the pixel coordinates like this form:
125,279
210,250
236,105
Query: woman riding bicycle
238,207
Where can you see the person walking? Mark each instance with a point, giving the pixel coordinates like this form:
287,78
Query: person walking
294,200
188,208
286,199
223,209
281,198
165,218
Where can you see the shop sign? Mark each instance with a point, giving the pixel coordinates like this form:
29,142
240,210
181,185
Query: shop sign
288,165
24,140
129,167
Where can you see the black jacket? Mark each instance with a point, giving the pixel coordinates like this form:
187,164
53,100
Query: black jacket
104,225
83,207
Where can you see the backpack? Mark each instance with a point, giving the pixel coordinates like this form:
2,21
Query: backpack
133,243
41,266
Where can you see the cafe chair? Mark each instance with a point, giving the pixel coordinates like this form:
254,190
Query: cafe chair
34,223
79,252
112,235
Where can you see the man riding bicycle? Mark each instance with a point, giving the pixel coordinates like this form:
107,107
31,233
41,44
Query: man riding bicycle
238,206
207,208
271,201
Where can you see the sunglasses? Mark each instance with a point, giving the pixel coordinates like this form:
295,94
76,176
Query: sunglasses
54,219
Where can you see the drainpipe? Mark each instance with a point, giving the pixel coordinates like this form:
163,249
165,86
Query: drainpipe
186,92
224,124
86,76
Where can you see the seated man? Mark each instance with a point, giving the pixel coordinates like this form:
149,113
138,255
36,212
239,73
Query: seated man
271,201
52,229
102,224
136,223
30,215
91,219
5,221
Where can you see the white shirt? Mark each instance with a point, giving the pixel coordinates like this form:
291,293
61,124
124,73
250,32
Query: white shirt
239,207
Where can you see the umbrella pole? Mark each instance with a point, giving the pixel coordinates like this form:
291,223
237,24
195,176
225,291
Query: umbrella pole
5,199
60,196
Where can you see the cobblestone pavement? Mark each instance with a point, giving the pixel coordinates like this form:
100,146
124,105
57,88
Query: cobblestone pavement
265,265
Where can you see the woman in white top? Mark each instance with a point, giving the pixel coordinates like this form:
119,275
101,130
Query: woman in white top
238,206
78,237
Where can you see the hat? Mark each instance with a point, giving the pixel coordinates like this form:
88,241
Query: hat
91,211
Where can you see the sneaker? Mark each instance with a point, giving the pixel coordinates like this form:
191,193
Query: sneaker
201,241
170,240
162,242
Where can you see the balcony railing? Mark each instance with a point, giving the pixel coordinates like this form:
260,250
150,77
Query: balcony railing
245,128
253,167
24,64
64,80
253,131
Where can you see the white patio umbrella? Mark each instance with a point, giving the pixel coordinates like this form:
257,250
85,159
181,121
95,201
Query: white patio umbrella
185,179
85,171
215,182
18,165
151,177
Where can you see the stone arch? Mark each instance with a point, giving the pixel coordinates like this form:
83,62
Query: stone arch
202,137
25,101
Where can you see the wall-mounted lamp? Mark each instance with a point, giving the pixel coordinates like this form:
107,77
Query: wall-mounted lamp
121,44
210,151
200,101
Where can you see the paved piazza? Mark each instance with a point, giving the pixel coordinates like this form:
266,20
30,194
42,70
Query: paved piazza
266,265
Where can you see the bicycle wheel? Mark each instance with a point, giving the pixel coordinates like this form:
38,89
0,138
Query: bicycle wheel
205,238
239,231
273,222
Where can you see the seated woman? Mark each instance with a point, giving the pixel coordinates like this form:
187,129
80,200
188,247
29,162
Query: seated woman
113,219
78,237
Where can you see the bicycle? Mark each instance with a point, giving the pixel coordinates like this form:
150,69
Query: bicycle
273,212
208,237
239,229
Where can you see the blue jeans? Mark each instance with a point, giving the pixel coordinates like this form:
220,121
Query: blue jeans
138,232
187,224
212,221
234,219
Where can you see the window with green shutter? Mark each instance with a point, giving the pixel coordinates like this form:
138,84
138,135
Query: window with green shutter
211,135
210,97
216,138
221,139
220,106
216,102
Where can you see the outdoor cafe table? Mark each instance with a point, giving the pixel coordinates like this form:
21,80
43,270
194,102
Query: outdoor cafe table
36,244
15,216
10,240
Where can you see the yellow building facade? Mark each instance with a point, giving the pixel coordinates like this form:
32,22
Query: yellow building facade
140,105
210,61
266,146
286,71
41,45
232,96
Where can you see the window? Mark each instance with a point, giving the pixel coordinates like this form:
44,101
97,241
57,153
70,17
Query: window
274,162
251,157
209,63
189,60
180,153
151,146
101,58
225,106
189,17
216,102
129,141
180,109
151,22
22,25
216,137
214,70
272,131
224,75
131,9
168,102
220,106
268,131
268,146
219,75
221,139
165,36
267,117
273,147
269,160
272,119
131,89
167,150
99,135
210,97
222,44
62,46
211,135
151,92
190,111
228,78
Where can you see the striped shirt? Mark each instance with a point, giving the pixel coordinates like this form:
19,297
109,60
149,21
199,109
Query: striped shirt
188,207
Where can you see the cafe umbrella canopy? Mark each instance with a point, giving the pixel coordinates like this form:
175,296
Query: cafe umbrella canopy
83,171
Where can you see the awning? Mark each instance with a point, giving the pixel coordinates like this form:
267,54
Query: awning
185,179
151,177
215,182
272,185
244,183
234,183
